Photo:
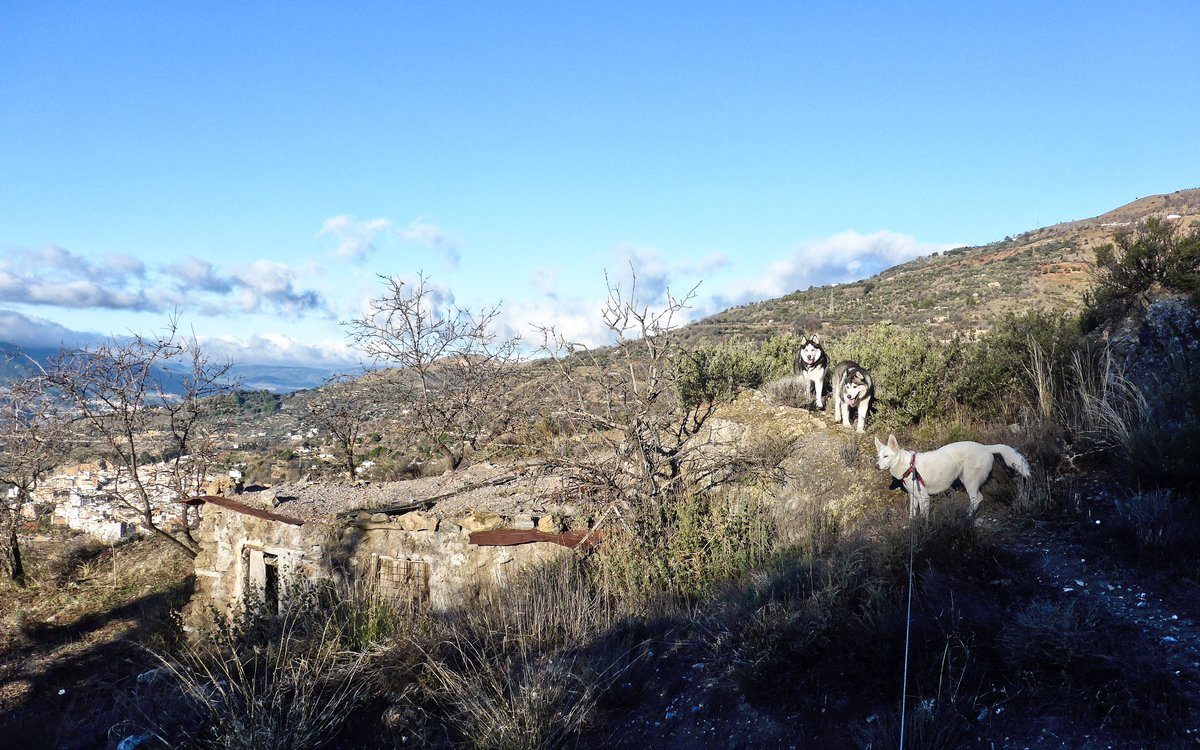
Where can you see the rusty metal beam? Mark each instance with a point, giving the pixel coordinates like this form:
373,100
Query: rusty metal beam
510,537
237,507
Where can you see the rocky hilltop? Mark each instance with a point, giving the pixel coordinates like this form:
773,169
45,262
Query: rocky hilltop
966,289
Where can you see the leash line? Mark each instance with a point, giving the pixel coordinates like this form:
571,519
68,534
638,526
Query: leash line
912,545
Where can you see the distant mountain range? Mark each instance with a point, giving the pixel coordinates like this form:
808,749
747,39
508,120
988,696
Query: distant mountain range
273,378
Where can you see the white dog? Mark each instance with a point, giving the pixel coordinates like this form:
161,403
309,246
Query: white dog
923,474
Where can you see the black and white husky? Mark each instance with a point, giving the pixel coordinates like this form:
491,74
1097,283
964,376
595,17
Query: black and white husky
809,366
853,388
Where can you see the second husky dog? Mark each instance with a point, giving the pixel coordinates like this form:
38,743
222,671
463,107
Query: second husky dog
809,366
853,388
923,474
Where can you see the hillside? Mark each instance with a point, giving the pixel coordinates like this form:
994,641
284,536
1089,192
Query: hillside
965,289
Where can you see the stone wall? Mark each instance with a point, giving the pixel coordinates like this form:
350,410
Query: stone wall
222,566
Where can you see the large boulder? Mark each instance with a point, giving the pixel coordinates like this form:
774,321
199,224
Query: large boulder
1159,352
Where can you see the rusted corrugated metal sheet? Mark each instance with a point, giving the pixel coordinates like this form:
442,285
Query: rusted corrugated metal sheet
237,507
509,537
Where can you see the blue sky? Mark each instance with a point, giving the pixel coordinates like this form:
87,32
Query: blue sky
256,165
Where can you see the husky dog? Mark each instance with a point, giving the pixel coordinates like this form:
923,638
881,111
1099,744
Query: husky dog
923,474
853,388
809,366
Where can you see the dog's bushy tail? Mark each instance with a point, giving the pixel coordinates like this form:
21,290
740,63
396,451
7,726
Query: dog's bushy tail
1014,460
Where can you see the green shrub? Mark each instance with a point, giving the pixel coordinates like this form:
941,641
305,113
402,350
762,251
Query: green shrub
780,352
713,373
915,374
998,371
1156,254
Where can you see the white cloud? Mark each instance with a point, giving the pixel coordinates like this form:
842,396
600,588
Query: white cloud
280,349
574,319
710,263
642,276
842,257
544,281
358,239
435,238
126,264
355,238
54,276
198,274
262,284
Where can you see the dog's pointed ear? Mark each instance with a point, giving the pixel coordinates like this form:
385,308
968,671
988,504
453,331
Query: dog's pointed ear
878,444
816,339
892,443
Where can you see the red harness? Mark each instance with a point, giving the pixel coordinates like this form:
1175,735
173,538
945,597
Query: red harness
912,469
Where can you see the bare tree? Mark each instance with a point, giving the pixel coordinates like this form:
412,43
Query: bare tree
149,421
459,376
32,441
344,408
630,423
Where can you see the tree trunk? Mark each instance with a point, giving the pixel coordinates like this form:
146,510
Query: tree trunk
16,569
191,551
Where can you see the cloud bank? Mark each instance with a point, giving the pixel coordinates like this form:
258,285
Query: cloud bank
55,277
34,332
839,258
260,348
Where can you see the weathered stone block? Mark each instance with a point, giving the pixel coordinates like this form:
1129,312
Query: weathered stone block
522,523
417,521
446,526
550,524
481,521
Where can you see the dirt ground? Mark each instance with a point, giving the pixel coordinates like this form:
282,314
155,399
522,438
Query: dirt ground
74,641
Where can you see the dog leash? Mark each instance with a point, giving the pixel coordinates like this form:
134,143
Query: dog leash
918,483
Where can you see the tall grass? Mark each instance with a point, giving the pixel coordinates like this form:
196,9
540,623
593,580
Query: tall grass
514,700
1107,410
292,691
684,549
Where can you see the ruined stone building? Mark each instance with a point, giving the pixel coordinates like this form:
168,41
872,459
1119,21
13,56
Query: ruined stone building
426,540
